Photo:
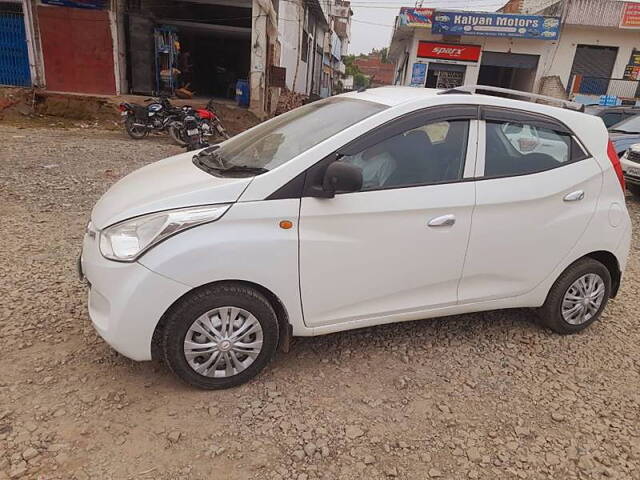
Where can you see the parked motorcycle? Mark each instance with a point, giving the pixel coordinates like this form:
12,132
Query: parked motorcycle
207,124
141,119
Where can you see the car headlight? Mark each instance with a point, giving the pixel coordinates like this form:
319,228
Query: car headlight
127,240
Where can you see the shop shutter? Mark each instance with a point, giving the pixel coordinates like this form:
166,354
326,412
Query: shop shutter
14,57
513,60
595,64
77,48
594,61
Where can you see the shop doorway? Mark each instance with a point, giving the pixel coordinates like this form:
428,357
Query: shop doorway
508,70
215,60
445,75
203,45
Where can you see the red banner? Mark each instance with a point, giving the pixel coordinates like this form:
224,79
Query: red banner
449,51
630,16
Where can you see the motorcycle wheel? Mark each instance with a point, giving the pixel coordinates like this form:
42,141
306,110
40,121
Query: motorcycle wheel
135,132
177,135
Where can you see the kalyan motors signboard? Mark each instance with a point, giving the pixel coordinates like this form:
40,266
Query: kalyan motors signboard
496,25
449,51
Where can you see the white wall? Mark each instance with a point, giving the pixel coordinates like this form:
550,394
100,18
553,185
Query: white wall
572,36
289,35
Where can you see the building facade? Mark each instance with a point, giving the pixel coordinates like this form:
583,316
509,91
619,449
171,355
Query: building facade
314,36
211,48
570,47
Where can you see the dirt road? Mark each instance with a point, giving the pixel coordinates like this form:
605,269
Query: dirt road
479,396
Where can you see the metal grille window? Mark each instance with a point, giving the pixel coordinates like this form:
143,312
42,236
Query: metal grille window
14,56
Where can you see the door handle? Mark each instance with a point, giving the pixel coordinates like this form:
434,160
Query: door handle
574,196
443,221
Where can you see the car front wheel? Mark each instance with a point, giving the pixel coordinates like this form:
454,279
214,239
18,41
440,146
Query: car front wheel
220,336
578,297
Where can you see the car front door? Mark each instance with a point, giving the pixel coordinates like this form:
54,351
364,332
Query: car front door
397,246
531,208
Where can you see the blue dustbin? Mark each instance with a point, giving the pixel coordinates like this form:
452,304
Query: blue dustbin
242,93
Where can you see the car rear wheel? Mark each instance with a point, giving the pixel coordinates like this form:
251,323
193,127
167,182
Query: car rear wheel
578,297
220,336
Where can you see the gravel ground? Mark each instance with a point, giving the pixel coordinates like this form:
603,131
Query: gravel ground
486,396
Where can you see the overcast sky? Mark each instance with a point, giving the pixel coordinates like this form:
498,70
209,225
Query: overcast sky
372,20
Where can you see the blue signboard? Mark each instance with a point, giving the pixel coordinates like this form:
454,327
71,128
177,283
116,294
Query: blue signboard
91,4
418,74
496,25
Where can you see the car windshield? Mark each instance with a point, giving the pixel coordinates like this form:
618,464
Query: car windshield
630,125
282,138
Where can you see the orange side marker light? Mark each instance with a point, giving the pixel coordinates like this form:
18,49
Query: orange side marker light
286,224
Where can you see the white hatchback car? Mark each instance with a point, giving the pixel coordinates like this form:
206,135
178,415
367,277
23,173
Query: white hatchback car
367,208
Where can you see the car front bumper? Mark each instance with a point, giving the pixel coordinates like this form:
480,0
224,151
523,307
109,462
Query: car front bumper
126,300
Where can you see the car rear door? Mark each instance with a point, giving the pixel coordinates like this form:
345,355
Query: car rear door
531,208
398,245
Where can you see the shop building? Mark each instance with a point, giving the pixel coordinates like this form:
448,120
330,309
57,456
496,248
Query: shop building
571,47
209,47
445,49
204,46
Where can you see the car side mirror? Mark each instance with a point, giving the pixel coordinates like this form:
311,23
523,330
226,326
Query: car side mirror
341,177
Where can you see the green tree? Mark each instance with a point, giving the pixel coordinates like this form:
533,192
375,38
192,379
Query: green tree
350,67
360,80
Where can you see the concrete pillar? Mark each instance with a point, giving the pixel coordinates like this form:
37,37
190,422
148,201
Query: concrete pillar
257,75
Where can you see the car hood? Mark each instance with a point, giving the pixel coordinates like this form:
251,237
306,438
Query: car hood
174,182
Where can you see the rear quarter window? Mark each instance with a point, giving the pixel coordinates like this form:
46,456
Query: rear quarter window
520,149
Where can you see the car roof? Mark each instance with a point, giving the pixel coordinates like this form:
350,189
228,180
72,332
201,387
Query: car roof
393,96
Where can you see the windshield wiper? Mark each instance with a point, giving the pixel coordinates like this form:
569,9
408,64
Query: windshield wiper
210,158
242,169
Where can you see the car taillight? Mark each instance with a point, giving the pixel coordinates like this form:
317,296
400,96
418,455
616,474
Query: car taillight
122,107
615,161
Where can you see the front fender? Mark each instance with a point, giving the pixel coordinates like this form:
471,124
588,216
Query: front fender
246,244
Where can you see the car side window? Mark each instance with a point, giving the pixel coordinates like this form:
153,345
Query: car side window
432,153
519,149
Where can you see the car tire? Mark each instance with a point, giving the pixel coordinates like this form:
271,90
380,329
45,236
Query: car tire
201,318
634,189
561,312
